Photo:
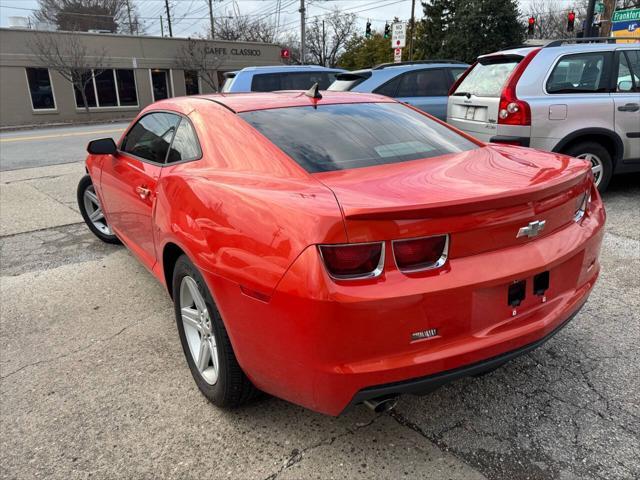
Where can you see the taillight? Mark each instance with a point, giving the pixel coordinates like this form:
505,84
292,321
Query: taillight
421,253
353,261
582,205
513,111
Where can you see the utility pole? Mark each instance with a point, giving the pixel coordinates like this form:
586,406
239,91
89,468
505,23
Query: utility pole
161,27
607,15
166,5
413,22
302,32
211,19
588,24
129,13
324,47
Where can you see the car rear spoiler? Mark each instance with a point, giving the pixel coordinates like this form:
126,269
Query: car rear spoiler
567,187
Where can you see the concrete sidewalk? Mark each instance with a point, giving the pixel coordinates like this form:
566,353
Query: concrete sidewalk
93,381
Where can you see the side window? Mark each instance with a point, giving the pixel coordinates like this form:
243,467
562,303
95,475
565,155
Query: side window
628,71
389,89
424,83
151,136
269,82
265,83
185,144
579,73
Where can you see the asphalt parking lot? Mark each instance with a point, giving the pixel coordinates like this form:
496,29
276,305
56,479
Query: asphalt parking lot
93,382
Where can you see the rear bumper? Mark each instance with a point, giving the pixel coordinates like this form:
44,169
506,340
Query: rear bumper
424,385
326,345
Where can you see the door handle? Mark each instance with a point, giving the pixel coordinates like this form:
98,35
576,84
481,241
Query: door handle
629,107
143,192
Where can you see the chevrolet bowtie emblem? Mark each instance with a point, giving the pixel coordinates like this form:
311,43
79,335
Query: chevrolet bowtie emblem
531,230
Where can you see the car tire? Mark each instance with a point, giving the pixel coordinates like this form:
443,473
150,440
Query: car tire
601,163
224,385
91,211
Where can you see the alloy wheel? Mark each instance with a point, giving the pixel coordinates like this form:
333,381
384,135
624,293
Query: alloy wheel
198,330
597,167
94,211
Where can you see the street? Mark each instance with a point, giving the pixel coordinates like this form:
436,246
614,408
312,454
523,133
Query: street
93,381
46,146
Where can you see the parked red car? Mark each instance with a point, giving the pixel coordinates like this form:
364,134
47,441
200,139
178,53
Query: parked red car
343,249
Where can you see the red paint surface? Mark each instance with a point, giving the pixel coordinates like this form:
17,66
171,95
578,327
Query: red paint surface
251,220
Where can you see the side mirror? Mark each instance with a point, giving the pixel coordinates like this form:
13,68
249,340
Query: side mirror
625,86
103,146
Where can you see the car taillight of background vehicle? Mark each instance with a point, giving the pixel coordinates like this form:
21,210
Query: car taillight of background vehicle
513,111
353,261
418,254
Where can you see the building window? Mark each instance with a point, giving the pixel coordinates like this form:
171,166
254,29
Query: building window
40,89
160,84
113,88
191,82
127,88
87,81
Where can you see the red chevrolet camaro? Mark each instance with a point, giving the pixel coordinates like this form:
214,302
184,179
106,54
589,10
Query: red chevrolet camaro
343,248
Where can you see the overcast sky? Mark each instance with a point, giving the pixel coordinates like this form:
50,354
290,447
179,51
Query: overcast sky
191,17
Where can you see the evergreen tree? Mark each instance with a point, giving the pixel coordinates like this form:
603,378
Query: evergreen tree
361,52
464,29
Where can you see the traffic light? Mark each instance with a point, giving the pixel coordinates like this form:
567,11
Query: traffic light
285,54
532,25
571,18
368,30
387,30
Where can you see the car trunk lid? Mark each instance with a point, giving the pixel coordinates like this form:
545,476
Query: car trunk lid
481,198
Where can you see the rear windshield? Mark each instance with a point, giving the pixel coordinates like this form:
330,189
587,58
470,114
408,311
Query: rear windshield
270,82
344,136
487,79
347,81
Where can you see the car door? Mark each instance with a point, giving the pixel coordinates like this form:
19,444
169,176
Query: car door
426,89
129,180
626,97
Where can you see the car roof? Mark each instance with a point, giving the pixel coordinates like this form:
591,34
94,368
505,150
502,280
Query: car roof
564,48
287,68
244,102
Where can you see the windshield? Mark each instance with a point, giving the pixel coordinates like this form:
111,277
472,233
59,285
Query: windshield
487,80
347,81
344,136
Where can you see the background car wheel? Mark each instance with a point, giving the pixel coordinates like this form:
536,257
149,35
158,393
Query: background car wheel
600,158
91,211
205,340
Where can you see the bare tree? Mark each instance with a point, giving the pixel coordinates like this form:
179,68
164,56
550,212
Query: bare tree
83,15
202,57
71,58
326,38
552,17
243,28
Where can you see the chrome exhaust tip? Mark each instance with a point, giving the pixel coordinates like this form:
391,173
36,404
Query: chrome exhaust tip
379,405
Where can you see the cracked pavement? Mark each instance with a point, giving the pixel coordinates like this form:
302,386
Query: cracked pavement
93,382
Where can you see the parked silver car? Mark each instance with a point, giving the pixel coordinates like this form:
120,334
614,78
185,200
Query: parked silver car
581,99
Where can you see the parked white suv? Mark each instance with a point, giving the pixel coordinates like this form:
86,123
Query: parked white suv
581,99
